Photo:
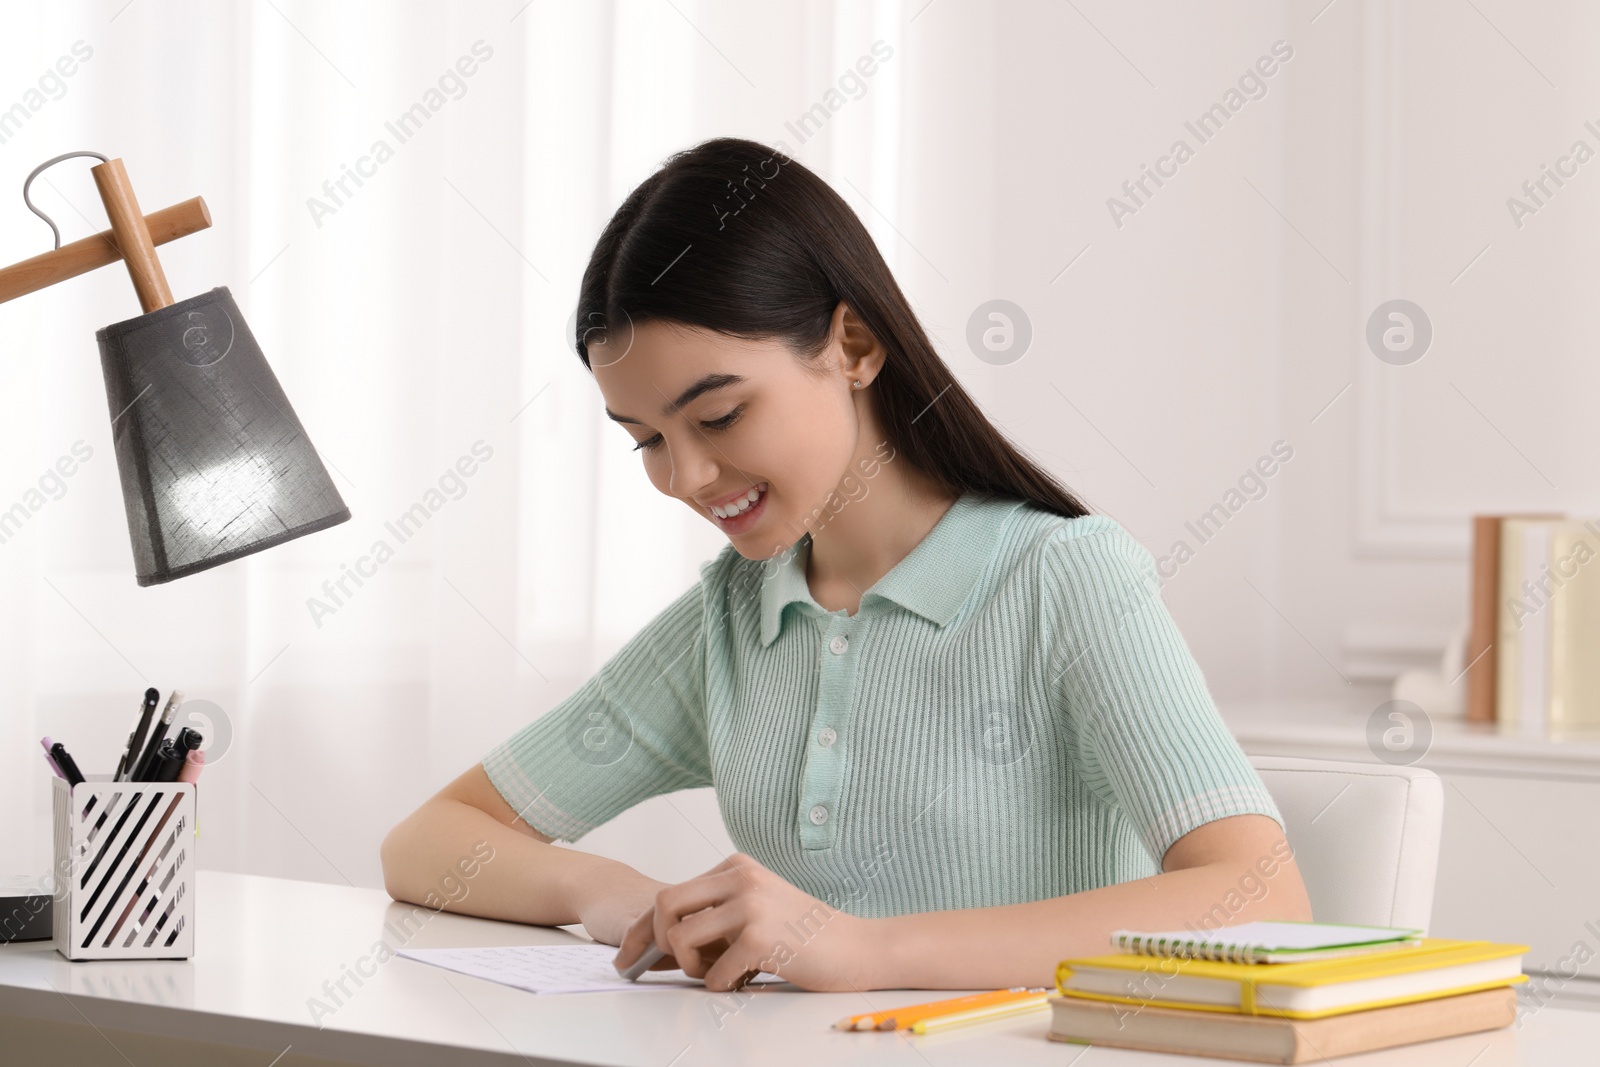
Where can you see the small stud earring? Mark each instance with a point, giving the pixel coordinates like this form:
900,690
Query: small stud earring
857,385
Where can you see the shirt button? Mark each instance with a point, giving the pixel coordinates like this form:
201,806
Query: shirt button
839,644
827,737
819,814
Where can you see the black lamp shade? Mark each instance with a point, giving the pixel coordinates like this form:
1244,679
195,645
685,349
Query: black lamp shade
214,463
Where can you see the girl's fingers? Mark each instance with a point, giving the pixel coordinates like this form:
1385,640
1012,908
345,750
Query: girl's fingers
635,940
703,956
733,969
676,902
699,940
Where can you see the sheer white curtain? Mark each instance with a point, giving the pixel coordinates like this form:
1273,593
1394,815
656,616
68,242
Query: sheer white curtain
404,199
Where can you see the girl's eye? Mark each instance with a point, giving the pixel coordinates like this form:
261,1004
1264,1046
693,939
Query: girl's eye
652,443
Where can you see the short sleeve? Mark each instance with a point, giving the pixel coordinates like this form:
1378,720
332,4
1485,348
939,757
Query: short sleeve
634,730
1149,738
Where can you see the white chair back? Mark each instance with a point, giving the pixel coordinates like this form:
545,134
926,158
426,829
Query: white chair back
1365,836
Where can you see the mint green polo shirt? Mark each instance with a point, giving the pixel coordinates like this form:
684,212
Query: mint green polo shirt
1011,715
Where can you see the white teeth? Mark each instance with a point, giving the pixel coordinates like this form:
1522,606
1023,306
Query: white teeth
740,504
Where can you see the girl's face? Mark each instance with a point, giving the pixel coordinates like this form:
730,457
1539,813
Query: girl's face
719,420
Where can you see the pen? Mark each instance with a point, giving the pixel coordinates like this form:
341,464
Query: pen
69,769
643,963
54,766
175,754
152,750
136,739
49,746
168,762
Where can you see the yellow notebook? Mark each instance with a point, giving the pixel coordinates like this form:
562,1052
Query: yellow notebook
1310,990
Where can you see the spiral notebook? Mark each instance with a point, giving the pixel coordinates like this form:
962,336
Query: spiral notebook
1266,942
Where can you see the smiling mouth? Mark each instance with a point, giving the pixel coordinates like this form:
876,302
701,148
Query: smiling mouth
740,505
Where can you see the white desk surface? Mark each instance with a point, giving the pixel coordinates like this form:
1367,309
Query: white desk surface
265,946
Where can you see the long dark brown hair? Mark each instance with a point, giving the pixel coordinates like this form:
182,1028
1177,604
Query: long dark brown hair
738,238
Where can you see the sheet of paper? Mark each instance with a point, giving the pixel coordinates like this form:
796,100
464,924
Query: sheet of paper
554,968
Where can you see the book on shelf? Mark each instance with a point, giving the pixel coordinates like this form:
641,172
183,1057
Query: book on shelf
1535,623
1574,693
1483,632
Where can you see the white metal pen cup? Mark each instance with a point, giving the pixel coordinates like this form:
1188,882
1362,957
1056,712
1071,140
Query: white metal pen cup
124,869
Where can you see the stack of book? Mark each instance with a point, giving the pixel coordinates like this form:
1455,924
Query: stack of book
1533,651
1284,992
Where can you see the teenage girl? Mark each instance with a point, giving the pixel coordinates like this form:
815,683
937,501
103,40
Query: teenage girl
951,727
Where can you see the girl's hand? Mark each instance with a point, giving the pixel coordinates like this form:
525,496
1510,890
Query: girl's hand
608,915
739,919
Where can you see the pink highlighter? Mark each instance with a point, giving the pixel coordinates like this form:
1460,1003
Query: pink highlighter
193,764
54,766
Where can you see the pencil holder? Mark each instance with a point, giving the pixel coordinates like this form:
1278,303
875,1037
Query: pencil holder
125,868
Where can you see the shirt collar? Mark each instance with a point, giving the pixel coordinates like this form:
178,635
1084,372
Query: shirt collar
933,580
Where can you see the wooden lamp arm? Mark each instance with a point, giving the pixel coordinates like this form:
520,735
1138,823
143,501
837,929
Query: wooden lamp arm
92,253
132,238
131,235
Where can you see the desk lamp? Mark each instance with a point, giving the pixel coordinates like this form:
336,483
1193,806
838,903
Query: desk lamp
214,463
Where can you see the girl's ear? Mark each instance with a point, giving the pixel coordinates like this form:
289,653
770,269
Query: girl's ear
863,355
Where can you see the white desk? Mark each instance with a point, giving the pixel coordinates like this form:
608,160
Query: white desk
265,946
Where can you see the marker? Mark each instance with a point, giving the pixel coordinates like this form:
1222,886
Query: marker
54,766
175,754
69,769
48,755
642,964
193,764
147,763
166,757
136,739
188,740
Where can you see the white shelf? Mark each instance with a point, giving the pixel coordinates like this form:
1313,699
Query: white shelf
1339,732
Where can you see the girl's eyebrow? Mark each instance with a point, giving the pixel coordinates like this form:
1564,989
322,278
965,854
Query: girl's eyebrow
699,388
